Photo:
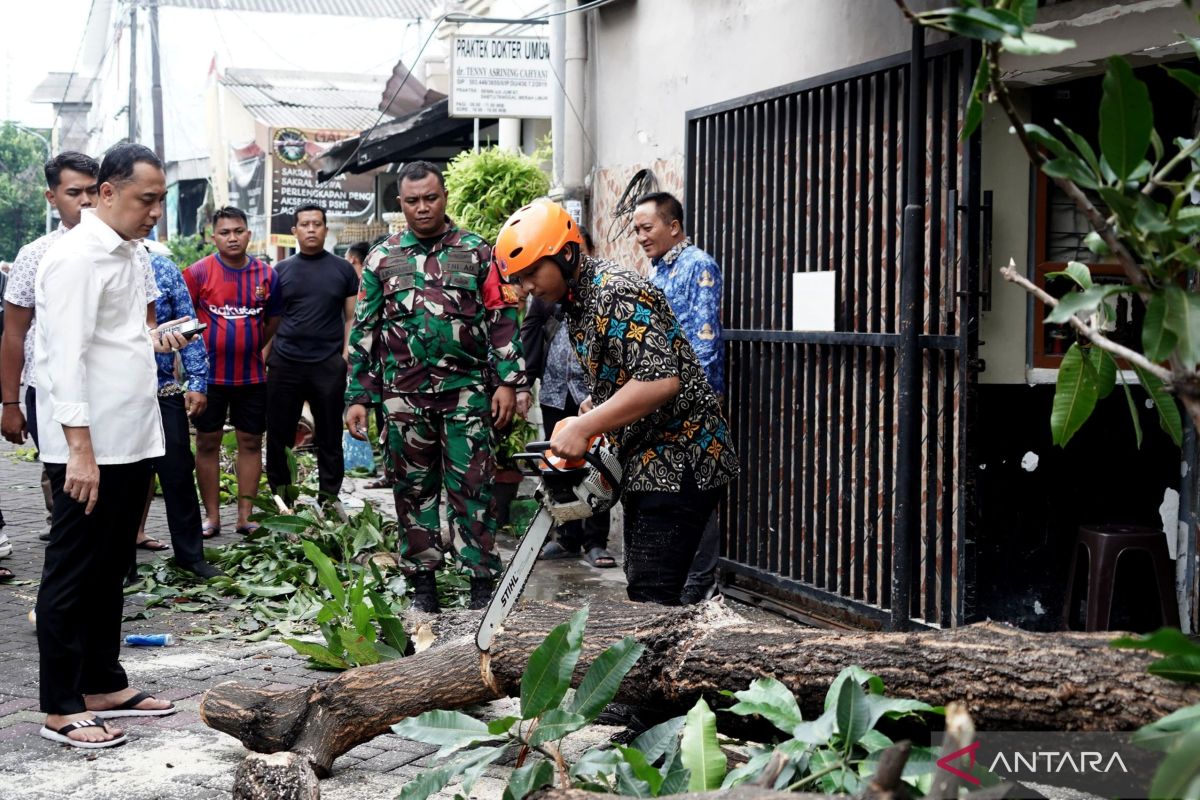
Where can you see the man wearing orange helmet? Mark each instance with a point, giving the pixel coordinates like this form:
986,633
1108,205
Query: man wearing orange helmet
649,390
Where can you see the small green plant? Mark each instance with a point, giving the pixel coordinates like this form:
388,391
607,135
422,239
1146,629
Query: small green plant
357,632
26,454
485,187
187,250
549,712
1177,734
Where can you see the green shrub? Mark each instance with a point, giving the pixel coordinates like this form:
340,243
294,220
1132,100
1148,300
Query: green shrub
484,188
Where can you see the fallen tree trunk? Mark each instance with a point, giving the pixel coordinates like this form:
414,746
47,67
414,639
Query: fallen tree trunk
1008,679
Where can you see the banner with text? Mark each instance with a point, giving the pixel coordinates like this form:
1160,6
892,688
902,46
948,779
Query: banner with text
294,181
500,76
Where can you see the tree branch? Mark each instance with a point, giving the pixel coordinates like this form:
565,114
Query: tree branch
1097,338
1160,178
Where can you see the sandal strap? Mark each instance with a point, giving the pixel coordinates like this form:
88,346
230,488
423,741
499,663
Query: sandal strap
91,722
132,702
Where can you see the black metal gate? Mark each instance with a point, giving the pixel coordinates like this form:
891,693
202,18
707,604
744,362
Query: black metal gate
813,176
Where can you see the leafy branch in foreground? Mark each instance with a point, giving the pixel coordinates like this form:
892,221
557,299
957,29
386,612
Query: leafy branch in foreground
1136,192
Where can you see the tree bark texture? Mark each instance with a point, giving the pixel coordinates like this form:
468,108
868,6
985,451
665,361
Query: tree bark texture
1008,679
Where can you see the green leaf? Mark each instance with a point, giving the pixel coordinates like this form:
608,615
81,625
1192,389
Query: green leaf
856,673
1179,773
1079,273
548,674
1134,417
325,571
1163,734
1073,303
1105,367
555,724
771,700
450,730
982,24
473,765
1158,341
359,648
893,708
1126,118
699,749
1168,412
1071,168
1074,397
1035,44
818,731
1047,140
853,714
317,652
974,112
527,779
660,740
1026,11
287,523
263,590
1177,668
1183,319
1165,641
499,727
1082,145
603,678
428,782
641,768
596,762
676,778
747,771
1185,76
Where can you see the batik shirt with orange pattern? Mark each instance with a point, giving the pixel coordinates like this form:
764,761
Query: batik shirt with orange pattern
623,329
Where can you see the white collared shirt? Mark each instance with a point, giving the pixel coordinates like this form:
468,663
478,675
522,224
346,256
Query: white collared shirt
95,362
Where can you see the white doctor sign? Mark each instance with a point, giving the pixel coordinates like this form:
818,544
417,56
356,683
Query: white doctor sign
500,76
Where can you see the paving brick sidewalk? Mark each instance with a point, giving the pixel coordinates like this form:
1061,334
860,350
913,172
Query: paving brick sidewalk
179,757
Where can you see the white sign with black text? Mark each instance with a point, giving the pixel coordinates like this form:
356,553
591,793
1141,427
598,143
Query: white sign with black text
500,76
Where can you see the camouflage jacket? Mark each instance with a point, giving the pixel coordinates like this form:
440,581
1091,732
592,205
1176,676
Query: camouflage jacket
429,321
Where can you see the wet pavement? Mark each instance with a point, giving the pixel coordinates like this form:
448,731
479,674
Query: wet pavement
178,756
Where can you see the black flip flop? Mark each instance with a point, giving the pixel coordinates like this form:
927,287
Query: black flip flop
61,736
553,551
157,546
129,709
6,574
599,558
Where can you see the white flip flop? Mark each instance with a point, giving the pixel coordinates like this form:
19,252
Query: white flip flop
61,736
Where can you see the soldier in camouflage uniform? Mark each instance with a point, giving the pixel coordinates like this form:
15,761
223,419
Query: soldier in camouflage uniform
430,314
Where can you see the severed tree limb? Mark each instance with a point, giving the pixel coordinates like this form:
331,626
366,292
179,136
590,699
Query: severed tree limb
737,793
1097,338
1008,679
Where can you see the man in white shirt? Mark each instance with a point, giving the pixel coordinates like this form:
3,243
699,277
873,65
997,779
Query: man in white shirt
70,188
100,425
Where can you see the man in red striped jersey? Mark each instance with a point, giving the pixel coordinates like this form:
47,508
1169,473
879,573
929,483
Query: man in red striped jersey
237,297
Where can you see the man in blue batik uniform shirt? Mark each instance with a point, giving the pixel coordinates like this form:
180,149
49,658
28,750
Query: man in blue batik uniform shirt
691,280
178,399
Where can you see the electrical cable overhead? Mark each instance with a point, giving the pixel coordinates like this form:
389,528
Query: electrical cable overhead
642,183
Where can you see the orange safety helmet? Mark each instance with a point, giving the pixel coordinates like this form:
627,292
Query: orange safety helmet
542,228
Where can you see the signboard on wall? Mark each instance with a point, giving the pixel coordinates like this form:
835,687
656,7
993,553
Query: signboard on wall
500,76
294,181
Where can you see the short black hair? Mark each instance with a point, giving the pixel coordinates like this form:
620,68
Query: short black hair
119,161
415,170
667,204
230,212
309,207
359,249
68,159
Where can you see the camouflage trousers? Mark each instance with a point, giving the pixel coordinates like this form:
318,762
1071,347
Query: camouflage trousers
443,442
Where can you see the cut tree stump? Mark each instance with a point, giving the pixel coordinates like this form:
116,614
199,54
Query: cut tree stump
1008,679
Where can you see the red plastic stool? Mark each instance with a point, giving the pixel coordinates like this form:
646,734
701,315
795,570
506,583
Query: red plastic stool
1103,546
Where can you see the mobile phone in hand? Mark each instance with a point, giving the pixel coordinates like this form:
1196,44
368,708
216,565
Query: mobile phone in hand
187,330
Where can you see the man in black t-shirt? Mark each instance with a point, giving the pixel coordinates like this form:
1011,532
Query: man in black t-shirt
307,363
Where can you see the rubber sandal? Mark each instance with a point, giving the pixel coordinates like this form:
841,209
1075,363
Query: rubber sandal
145,544
599,558
209,531
552,551
61,736
246,530
128,709
6,574
379,483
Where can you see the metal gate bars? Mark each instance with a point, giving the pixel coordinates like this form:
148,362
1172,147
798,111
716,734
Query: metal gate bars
832,426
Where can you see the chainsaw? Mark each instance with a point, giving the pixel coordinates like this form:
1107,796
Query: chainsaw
568,491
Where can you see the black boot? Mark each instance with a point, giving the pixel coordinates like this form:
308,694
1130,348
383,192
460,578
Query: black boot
481,592
425,596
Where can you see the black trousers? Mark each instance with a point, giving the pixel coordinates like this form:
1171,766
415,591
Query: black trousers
80,601
177,475
291,384
579,534
31,426
662,532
